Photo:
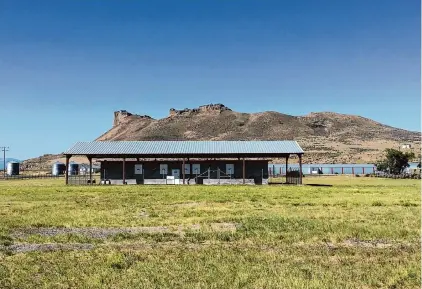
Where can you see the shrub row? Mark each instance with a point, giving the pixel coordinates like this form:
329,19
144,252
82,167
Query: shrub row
393,176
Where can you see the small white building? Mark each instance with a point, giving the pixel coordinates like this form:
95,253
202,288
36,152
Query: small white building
406,146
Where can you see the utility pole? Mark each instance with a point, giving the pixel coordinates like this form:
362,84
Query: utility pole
4,149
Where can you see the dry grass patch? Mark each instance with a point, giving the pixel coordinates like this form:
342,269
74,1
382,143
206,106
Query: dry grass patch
360,233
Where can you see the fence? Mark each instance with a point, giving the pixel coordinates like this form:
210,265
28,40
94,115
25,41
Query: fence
293,177
30,176
218,177
81,180
281,171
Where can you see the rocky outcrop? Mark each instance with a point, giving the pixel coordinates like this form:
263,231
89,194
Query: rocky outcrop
209,108
122,115
119,116
325,136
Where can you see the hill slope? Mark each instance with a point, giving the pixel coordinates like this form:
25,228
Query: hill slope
326,137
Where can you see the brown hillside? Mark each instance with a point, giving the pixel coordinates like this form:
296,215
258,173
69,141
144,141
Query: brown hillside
326,137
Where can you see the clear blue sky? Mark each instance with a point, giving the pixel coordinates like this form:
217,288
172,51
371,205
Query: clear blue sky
65,66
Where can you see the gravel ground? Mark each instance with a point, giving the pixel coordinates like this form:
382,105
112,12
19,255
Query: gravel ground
96,233
104,233
22,248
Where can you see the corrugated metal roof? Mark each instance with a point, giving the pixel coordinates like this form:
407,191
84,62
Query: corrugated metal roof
183,147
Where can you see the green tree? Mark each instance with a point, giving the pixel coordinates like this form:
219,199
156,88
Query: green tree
395,161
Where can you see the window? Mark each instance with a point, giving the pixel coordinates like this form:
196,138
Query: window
138,169
230,169
187,169
163,169
196,169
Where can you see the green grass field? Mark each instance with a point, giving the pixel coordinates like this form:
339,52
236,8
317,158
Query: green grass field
359,233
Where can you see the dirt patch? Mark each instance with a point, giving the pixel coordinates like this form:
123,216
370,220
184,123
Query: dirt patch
354,243
96,233
368,243
187,204
104,233
194,227
143,214
23,248
224,227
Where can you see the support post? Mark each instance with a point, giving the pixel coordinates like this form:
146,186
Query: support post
183,170
363,170
190,170
300,169
244,170
287,167
67,169
353,170
90,170
124,171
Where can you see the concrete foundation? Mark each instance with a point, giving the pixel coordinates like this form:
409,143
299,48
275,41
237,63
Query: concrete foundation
228,182
191,182
120,182
167,182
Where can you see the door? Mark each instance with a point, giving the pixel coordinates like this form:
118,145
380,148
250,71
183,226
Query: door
175,173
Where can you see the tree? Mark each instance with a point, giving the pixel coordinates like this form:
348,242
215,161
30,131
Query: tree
395,161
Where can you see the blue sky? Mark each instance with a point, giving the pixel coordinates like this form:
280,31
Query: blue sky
65,66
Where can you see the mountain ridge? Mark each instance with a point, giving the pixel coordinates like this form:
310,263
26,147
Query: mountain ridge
326,137
323,135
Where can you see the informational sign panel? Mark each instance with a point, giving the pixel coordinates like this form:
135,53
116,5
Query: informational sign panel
163,169
187,169
175,173
138,169
230,169
170,180
196,169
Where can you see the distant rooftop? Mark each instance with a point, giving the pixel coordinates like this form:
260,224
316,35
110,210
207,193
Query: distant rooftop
185,148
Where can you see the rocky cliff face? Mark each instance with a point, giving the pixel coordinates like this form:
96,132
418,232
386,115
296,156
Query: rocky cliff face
123,116
326,137
209,108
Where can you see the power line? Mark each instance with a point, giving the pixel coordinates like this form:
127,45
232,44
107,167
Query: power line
4,150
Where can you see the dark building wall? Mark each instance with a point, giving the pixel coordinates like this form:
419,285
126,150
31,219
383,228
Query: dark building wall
255,169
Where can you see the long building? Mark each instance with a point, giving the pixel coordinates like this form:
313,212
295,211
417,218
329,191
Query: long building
185,162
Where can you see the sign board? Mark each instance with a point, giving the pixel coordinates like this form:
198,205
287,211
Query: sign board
175,173
230,169
170,180
138,169
163,169
196,169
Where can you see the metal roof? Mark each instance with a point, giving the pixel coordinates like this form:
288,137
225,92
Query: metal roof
170,148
